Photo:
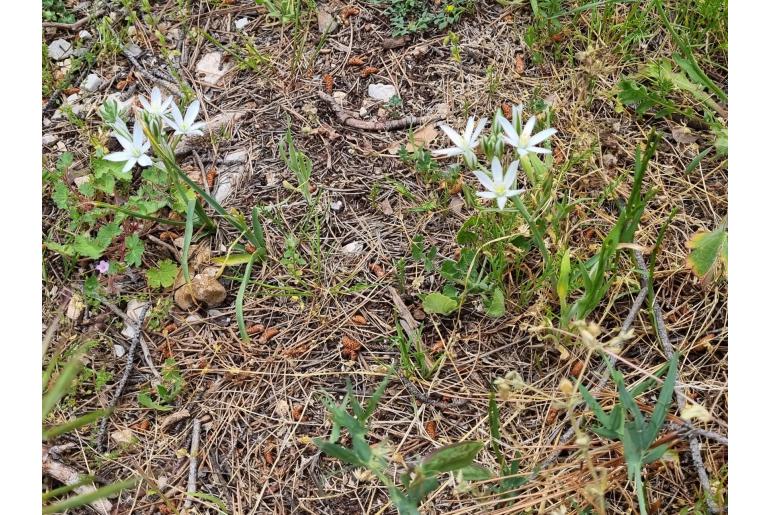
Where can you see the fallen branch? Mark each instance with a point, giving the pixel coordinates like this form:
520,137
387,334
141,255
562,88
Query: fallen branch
192,477
347,118
100,437
73,26
69,476
417,394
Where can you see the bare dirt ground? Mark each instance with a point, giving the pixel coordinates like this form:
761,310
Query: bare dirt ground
259,403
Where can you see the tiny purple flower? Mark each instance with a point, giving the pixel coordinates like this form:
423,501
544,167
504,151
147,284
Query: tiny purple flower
103,266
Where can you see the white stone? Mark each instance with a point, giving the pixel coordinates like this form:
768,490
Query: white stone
382,92
49,139
92,83
84,34
119,350
241,22
336,206
59,49
133,49
353,248
239,156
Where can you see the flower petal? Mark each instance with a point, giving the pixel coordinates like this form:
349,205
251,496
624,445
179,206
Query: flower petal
497,170
486,194
508,129
484,180
129,165
539,150
138,137
448,152
501,202
510,174
469,129
477,132
192,112
118,156
145,104
453,135
144,160
542,136
530,126
124,141
176,114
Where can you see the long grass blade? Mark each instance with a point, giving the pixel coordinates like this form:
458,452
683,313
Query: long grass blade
239,299
89,497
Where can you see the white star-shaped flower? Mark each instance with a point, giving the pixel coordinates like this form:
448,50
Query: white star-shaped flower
524,142
156,104
466,143
499,185
186,125
134,149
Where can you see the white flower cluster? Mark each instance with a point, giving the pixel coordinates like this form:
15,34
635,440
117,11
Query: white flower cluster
499,187
136,145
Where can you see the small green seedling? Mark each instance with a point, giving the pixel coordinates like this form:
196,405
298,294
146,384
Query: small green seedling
419,480
627,423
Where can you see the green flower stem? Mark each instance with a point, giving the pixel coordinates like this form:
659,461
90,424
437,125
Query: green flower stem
533,229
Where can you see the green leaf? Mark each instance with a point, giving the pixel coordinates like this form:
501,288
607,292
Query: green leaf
495,305
374,400
163,275
664,401
475,472
450,457
63,382
221,505
64,162
86,246
87,189
421,487
494,427
60,195
438,303
708,253
61,429
134,250
232,259
337,451
103,168
239,298
562,286
145,400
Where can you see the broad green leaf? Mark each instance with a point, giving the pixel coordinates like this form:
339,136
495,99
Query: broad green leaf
134,250
421,487
475,472
708,253
438,303
60,195
145,400
89,247
163,275
64,162
451,457
495,305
